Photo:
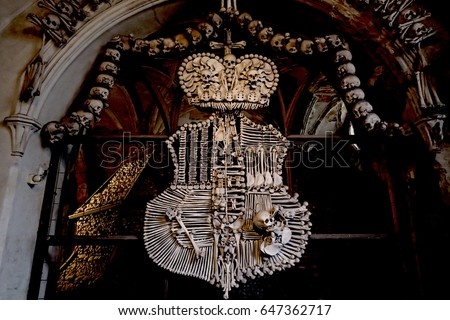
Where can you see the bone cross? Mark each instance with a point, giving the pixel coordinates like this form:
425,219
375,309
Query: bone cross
228,44
174,213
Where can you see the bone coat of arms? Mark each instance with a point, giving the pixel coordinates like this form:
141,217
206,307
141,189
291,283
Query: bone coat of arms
227,215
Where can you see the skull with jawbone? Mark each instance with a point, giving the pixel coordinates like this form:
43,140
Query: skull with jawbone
263,220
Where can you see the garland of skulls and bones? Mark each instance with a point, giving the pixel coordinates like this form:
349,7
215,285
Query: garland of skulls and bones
227,215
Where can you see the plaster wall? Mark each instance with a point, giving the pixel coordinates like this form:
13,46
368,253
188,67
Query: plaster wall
20,205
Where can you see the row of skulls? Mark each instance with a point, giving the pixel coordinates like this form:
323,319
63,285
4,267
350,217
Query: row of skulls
64,17
205,31
82,120
349,82
353,95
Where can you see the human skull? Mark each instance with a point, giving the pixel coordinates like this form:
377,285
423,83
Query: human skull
106,80
52,22
321,44
350,82
346,69
409,14
343,56
306,47
108,67
123,42
54,132
419,29
278,41
154,47
354,95
206,76
371,121
334,41
196,36
181,42
265,34
84,118
229,60
113,54
254,27
361,109
95,106
206,28
252,76
291,45
99,92
73,127
139,44
65,8
263,220
168,45
215,19
244,19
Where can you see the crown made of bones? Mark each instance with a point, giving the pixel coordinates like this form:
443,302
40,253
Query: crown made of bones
228,83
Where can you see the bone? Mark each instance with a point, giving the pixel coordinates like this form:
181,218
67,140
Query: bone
179,267
420,89
426,91
395,14
182,157
177,215
404,27
167,238
169,254
292,251
215,257
259,167
250,169
193,148
435,95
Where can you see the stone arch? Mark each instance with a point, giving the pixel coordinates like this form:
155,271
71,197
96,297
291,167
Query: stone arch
330,48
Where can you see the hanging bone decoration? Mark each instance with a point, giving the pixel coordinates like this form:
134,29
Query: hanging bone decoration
227,215
32,79
52,26
64,17
429,99
80,121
